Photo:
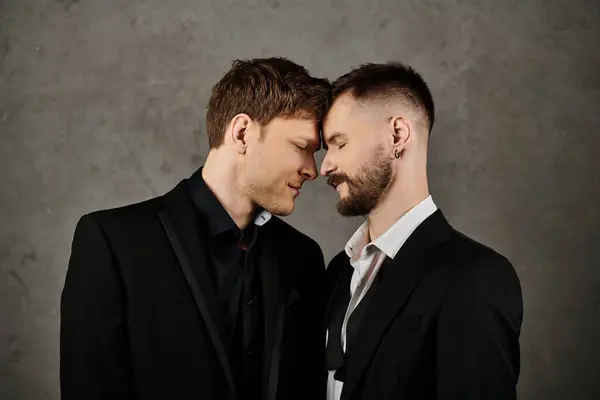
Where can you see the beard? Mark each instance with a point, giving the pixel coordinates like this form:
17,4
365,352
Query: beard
366,188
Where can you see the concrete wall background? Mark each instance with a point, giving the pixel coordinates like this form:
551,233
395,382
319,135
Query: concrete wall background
102,103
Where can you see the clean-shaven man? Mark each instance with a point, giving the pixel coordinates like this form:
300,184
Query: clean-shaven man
204,293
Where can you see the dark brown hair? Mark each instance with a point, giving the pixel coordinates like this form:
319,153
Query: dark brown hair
265,88
384,81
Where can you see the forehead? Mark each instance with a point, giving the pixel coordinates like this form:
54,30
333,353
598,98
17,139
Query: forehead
346,115
285,129
294,127
341,109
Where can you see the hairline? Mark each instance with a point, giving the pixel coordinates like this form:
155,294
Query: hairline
386,99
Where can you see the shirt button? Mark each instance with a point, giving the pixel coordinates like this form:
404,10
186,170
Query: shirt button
248,353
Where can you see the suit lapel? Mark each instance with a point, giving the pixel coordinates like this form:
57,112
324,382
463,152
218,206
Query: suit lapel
403,274
338,279
274,294
180,222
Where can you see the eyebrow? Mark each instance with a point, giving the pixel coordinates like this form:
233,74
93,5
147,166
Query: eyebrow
334,137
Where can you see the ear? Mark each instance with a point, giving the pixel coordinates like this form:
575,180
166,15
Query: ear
238,132
402,132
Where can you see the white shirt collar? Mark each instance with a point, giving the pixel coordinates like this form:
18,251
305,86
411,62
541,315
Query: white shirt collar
391,240
262,218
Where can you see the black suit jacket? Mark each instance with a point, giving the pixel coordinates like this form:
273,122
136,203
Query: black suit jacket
137,309
443,323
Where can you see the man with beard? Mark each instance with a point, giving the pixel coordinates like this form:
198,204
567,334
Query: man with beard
203,293
417,310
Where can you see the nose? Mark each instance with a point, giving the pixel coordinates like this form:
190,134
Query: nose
309,173
327,167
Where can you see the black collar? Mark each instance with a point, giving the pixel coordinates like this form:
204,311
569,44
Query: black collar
217,219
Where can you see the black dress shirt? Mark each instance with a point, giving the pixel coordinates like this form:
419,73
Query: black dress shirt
234,260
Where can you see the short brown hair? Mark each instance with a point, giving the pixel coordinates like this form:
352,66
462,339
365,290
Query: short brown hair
376,81
265,88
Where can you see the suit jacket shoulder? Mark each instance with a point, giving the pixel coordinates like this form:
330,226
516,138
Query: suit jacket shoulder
480,279
128,215
133,233
475,262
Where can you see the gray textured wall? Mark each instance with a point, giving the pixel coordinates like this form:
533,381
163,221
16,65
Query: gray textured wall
101,104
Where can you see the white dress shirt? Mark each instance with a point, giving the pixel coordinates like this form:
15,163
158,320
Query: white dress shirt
366,258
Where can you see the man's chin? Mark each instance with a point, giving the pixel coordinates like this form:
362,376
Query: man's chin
283,213
348,207
282,210
345,210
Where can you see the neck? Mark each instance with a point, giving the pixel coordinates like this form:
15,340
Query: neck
404,193
220,175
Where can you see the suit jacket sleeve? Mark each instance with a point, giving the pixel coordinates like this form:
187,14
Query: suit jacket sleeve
93,349
478,333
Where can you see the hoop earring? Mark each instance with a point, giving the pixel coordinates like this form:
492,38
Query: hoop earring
396,154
